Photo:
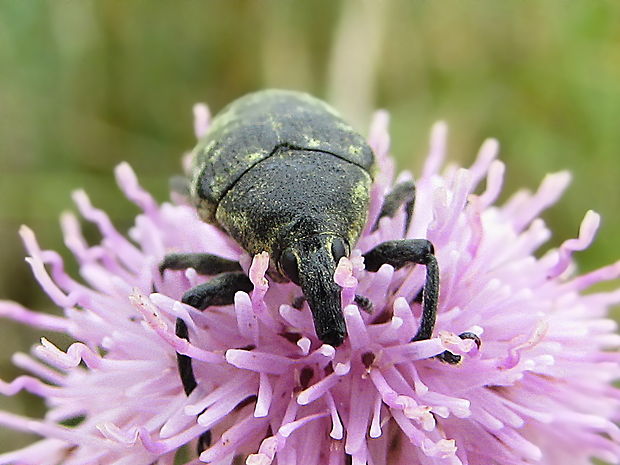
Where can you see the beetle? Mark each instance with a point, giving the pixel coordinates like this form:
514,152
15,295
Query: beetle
280,171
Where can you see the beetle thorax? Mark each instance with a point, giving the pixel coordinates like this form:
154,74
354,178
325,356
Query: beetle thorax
293,195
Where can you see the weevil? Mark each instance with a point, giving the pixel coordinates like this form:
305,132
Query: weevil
280,171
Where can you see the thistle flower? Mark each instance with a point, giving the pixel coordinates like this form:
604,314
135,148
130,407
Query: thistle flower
537,390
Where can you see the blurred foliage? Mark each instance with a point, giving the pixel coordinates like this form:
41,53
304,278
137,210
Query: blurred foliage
86,84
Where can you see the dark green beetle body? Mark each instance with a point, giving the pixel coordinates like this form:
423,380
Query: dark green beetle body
281,172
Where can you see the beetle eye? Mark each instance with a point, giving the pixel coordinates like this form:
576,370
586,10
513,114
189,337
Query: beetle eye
288,264
339,249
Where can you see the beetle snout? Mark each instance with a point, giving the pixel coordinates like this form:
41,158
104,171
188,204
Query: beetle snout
323,296
333,337
316,267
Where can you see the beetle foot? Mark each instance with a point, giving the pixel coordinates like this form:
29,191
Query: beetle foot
364,303
204,442
454,359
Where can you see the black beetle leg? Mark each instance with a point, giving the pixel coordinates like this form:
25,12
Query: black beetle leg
399,253
203,263
218,291
204,442
402,194
453,359
364,303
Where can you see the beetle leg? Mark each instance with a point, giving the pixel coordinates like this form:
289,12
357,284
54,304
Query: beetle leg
399,253
402,193
203,263
453,359
204,442
364,303
220,290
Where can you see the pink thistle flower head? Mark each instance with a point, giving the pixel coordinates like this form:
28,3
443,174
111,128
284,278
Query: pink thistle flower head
538,389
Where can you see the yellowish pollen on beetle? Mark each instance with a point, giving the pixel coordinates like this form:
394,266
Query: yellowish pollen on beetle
354,149
311,142
256,156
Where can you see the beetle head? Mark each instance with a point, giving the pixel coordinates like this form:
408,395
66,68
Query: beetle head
311,263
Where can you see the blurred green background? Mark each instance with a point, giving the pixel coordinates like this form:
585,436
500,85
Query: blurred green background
87,84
